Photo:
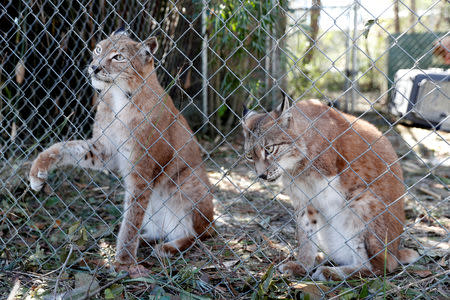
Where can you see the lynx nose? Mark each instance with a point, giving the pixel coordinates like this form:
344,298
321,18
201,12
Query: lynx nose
95,69
263,176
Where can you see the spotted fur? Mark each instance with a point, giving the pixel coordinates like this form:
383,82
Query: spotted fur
139,133
345,183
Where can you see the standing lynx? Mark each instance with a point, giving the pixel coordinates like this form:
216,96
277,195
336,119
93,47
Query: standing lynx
345,183
139,133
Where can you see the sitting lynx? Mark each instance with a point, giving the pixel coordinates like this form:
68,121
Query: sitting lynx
344,181
139,133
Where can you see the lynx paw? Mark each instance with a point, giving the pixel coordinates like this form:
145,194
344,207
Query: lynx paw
37,179
328,273
292,268
164,250
134,271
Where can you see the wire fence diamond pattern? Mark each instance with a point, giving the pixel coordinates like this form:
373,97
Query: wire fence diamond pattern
60,243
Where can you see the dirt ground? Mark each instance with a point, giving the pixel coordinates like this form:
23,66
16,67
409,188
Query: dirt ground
62,239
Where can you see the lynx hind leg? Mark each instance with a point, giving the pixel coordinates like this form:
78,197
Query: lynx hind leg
197,218
308,220
408,256
173,247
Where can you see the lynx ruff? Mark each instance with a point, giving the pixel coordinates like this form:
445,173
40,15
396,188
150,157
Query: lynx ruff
344,181
139,133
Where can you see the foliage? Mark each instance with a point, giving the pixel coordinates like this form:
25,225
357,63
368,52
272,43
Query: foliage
47,47
239,35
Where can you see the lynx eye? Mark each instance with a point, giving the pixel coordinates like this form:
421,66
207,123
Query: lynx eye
270,149
248,156
98,50
118,57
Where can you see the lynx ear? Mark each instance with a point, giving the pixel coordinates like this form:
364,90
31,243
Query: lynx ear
246,112
151,44
283,112
120,31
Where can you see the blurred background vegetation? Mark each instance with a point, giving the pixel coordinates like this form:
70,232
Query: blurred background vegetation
307,48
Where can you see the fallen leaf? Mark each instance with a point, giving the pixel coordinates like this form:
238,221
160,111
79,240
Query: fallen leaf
421,273
433,252
39,226
229,263
84,283
315,289
57,223
443,262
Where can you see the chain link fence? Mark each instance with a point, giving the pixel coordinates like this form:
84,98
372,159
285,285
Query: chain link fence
214,56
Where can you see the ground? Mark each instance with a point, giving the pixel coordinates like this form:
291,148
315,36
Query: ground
62,239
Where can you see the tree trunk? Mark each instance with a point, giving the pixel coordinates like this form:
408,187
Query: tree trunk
441,16
314,24
412,15
396,17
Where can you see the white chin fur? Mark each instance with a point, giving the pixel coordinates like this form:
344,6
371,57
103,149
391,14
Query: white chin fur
98,84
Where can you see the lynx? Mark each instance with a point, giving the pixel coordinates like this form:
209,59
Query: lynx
345,183
139,133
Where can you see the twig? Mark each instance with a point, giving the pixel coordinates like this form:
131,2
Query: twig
88,295
55,290
397,289
12,295
430,193
93,277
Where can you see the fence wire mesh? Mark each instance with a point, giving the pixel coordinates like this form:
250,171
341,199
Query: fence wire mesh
385,62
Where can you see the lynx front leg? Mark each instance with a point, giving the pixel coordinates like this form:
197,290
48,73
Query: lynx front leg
86,154
346,247
360,265
307,220
136,203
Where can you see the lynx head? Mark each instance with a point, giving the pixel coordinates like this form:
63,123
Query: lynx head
270,141
119,60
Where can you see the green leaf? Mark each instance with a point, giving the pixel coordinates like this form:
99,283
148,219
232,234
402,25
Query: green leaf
51,201
109,294
114,211
73,228
367,27
221,111
142,279
117,289
364,291
265,284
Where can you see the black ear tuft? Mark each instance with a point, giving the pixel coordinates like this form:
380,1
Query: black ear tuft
245,110
284,105
284,94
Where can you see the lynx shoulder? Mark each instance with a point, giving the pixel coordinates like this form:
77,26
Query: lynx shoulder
344,180
140,134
